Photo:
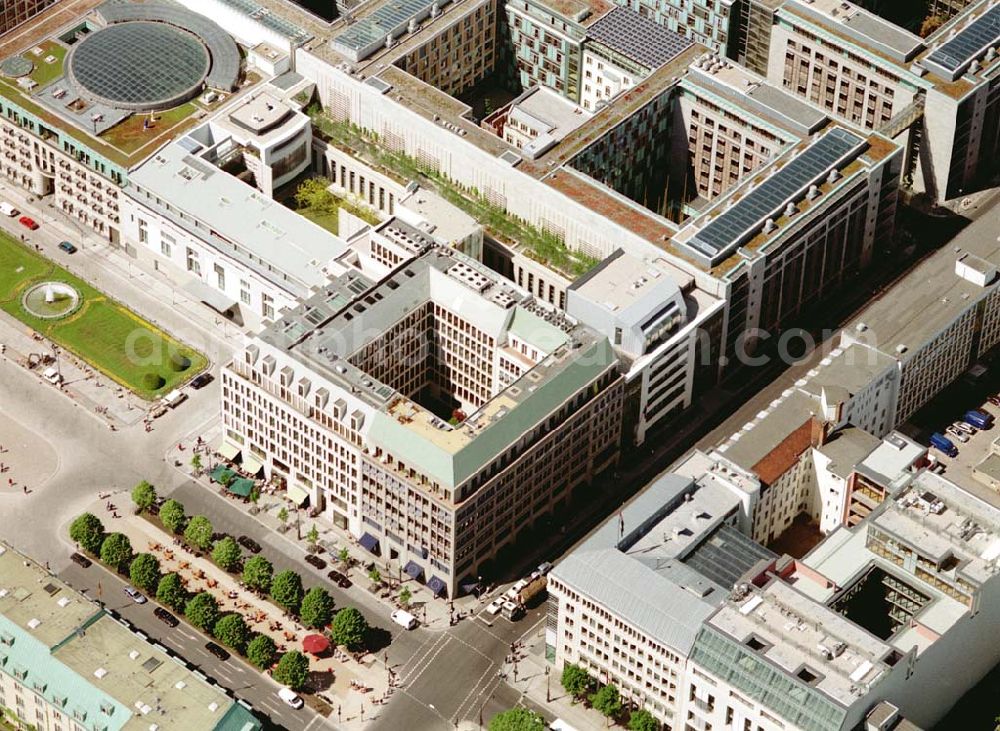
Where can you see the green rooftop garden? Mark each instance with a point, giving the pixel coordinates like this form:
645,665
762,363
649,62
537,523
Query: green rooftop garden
101,331
313,200
46,72
540,245
130,135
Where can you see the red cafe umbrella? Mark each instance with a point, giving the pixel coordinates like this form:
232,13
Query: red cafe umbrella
315,644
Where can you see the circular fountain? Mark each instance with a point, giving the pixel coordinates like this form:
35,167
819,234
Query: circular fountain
51,300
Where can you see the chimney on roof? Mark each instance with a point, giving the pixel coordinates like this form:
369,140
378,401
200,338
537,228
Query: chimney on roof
818,432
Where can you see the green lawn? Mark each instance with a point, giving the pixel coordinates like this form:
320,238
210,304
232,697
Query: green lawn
129,135
103,332
46,72
323,219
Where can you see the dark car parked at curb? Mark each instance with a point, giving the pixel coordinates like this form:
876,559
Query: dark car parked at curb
166,617
201,381
218,651
249,543
339,579
314,560
81,560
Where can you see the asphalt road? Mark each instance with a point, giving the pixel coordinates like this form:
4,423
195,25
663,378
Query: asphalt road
234,674
283,554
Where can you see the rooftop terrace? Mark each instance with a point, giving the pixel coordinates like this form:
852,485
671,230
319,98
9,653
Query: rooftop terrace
942,522
335,323
110,131
811,644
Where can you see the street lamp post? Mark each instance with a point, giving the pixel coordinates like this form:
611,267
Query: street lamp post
548,695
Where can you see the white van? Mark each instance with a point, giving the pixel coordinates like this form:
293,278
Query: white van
404,619
174,398
290,697
7,209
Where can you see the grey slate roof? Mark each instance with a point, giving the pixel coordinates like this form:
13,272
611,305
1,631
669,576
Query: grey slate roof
641,596
659,595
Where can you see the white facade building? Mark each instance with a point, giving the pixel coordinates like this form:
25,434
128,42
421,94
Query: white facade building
227,243
435,412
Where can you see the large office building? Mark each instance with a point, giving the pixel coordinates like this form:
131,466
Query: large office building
705,628
940,320
15,12
66,664
86,98
200,209
429,407
937,95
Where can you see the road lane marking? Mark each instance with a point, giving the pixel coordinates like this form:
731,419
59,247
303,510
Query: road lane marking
458,715
426,661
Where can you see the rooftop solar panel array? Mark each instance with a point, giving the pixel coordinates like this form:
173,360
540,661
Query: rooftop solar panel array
225,71
269,20
976,37
739,222
639,38
392,17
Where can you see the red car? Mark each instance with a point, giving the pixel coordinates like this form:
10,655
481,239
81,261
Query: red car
28,222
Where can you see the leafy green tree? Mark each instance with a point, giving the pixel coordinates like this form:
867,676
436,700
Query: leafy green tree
312,193
88,531
405,595
607,700
317,608
196,462
292,670
576,681
257,573
172,516
116,551
283,516
643,720
199,532
232,631
375,575
261,651
143,495
144,571
349,628
286,589
344,556
517,719
202,610
171,591
227,554
312,537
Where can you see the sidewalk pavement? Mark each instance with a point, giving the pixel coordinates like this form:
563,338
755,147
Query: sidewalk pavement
337,668
94,392
149,292
545,690
432,612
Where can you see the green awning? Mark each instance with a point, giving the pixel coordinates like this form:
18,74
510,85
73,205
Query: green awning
241,486
228,450
296,494
221,473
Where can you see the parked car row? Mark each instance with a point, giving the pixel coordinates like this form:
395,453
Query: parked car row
287,695
961,430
